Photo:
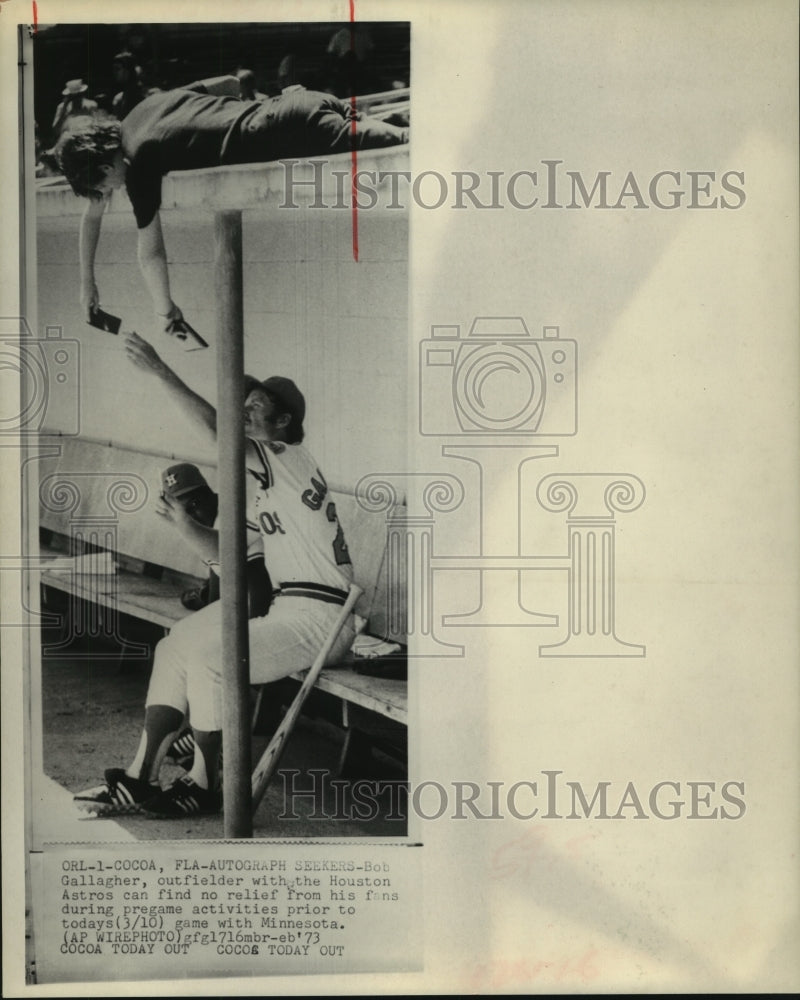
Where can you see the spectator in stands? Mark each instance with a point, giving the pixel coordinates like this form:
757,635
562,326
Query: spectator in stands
295,71
128,77
184,129
75,105
350,67
248,91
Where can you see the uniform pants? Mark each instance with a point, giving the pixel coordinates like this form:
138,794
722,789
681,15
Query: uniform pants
187,672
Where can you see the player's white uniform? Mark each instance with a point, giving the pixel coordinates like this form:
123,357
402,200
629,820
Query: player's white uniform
307,559
303,541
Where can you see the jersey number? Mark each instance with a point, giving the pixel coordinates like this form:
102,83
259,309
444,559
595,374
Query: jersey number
270,523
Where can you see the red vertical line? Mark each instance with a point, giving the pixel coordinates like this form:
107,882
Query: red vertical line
353,171
353,136
35,17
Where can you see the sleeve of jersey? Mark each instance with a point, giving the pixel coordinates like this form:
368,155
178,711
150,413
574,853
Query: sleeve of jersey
258,462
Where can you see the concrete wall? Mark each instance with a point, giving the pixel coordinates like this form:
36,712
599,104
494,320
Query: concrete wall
339,328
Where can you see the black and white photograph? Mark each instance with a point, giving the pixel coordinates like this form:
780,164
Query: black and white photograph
400,518
158,286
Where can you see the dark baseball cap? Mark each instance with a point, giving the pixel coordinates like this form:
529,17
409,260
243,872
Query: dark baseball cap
182,478
285,392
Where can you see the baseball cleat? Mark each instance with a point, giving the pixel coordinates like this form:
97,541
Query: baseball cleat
119,794
184,798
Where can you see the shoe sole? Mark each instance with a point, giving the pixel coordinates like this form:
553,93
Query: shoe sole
106,809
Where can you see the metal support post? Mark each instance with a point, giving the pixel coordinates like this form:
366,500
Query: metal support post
231,471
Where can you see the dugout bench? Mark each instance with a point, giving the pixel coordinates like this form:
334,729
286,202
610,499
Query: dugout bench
97,505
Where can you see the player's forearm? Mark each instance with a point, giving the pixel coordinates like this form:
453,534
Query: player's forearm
156,278
201,413
89,237
153,265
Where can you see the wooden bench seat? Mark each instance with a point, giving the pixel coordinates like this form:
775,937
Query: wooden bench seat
151,600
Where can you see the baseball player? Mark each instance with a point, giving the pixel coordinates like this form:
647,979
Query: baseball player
185,129
184,483
309,564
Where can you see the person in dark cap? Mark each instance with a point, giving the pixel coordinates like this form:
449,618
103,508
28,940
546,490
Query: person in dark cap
309,564
75,105
185,484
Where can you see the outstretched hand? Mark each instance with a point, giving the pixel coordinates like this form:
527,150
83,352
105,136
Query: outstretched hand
173,511
144,355
171,318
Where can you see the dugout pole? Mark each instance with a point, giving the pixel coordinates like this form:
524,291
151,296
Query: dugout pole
233,550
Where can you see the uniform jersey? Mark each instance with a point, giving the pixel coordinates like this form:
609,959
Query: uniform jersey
259,586
303,540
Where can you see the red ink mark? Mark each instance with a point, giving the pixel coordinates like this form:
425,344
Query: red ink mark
353,171
575,846
515,857
35,17
499,972
353,136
